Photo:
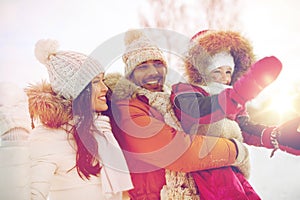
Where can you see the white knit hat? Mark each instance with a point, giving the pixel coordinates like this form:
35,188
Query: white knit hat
14,111
139,49
69,72
220,59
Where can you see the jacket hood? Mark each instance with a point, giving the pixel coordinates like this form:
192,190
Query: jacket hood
47,107
208,43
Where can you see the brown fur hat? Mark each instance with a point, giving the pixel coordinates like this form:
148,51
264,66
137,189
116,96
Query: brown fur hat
45,105
207,43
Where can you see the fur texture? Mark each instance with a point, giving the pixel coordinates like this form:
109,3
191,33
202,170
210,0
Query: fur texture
47,107
211,42
121,87
178,184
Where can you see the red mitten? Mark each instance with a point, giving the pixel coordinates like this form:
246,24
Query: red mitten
285,137
261,74
230,107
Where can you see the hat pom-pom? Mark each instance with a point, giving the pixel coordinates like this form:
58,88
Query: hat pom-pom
132,35
45,48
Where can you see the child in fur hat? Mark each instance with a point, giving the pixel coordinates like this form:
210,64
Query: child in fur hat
14,152
217,60
73,152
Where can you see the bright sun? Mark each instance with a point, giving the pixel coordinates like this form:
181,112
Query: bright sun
279,102
282,104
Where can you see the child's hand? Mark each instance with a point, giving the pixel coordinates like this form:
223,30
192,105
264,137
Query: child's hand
290,133
261,74
285,137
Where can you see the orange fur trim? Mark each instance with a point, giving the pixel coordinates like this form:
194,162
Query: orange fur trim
52,110
214,42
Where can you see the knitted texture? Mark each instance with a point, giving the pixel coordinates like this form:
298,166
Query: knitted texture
219,60
69,72
179,185
14,111
138,50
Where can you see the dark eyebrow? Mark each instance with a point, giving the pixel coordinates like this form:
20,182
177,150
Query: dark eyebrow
157,61
143,63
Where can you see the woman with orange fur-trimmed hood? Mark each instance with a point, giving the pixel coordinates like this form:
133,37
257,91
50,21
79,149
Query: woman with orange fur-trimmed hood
73,152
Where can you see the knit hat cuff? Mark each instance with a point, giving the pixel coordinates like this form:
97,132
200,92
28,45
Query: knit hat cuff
141,56
219,60
13,117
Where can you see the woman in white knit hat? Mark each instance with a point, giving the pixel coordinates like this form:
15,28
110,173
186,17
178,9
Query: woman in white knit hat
73,152
14,153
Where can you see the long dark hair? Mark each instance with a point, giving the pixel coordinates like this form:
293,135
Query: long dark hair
87,163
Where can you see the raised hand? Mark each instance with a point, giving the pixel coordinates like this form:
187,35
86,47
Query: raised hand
261,74
286,137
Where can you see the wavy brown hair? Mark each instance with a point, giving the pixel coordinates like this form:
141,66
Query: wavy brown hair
54,111
87,163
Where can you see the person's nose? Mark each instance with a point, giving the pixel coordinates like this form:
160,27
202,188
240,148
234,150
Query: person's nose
103,87
152,70
223,76
227,78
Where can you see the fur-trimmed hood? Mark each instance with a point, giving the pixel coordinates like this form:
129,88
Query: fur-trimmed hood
47,107
208,43
120,87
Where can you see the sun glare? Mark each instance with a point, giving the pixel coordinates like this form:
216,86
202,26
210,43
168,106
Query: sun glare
282,104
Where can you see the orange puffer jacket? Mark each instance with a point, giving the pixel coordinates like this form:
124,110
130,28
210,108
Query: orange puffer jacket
150,146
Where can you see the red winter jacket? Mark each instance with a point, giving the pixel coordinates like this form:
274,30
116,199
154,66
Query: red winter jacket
193,105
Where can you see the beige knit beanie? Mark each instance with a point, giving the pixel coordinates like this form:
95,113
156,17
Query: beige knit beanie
69,72
138,50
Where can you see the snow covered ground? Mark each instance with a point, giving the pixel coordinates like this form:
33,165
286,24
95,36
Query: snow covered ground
275,178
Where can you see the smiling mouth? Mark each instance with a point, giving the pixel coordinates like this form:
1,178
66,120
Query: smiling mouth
153,85
156,82
102,98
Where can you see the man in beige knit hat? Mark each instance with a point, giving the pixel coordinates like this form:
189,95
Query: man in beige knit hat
147,129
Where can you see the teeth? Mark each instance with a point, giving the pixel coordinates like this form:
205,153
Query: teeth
152,82
102,98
